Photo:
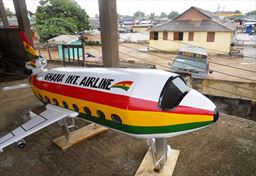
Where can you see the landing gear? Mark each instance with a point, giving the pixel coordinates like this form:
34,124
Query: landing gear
159,150
67,125
21,144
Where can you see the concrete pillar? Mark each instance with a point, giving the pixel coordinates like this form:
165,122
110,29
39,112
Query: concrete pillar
3,15
22,17
109,33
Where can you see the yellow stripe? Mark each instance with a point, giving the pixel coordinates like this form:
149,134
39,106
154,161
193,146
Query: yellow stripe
129,117
29,49
125,85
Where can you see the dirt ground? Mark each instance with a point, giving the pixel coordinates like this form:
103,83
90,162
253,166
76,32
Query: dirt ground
224,148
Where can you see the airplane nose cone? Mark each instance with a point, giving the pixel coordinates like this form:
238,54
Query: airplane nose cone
216,115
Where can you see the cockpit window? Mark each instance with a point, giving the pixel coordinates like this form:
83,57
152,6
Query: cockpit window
173,92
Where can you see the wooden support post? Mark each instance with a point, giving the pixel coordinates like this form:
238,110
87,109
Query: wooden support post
147,167
3,15
22,17
78,136
49,53
83,53
109,33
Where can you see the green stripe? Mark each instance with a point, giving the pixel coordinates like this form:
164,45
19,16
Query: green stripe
147,129
31,57
121,87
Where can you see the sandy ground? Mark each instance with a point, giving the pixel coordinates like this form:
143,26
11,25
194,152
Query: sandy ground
225,148
130,51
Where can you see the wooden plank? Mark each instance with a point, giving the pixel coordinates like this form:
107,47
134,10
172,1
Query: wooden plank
22,17
147,167
78,136
3,15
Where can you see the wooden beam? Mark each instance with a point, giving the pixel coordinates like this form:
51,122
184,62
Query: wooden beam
147,168
22,17
109,33
3,15
79,135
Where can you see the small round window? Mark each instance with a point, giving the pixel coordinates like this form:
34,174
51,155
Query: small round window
55,101
87,111
100,114
75,107
40,97
65,104
116,119
46,99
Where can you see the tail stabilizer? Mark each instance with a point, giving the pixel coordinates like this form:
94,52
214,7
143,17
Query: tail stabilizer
36,63
32,54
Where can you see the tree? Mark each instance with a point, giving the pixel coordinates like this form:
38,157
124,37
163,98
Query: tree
56,17
173,14
163,15
139,15
9,13
253,12
151,16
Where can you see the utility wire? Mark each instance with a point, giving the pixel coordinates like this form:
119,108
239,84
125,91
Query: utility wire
248,79
183,63
196,46
239,68
241,96
178,41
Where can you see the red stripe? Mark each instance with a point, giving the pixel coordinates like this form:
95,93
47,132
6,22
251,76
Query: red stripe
24,37
125,82
110,99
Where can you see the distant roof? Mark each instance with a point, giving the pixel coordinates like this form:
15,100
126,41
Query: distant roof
14,22
212,23
94,22
63,39
142,25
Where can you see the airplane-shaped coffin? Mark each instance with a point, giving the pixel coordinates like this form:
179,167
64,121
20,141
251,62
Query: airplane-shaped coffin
139,102
144,103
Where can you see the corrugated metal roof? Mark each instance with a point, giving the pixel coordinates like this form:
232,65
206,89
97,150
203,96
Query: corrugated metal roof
63,39
191,26
214,24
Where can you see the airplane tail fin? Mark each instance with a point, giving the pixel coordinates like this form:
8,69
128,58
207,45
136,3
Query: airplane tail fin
32,54
36,63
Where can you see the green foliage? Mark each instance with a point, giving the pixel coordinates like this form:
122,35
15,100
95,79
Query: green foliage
139,15
251,13
163,15
173,14
55,26
56,17
9,13
151,16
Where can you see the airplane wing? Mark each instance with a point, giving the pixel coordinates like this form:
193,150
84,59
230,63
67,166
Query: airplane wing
47,117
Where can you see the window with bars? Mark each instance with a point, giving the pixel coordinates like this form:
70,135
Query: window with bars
178,36
191,36
165,35
153,35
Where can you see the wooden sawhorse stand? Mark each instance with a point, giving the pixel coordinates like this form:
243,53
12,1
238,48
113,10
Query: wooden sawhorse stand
78,135
160,159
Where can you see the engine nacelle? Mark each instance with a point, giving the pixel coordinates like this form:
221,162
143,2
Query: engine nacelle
21,143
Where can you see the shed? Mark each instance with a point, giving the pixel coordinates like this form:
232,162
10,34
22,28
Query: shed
67,40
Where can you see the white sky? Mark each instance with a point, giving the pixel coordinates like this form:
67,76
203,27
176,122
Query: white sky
128,7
